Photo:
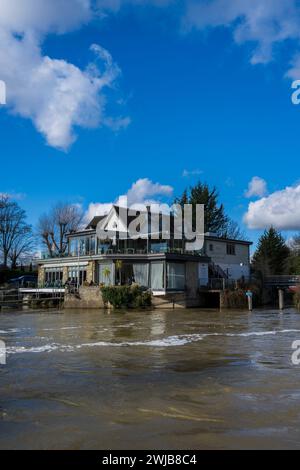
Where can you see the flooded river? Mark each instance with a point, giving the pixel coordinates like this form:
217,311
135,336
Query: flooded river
150,380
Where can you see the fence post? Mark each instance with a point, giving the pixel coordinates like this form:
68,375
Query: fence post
249,295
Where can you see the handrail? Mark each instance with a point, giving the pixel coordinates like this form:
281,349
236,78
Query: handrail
127,251
282,280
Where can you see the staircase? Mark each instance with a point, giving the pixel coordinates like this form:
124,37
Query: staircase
217,272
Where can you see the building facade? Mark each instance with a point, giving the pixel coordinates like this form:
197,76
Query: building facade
159,263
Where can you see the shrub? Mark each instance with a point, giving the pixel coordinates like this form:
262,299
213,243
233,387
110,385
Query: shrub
236,298
126,296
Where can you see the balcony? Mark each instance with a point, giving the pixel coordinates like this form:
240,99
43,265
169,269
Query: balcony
86,248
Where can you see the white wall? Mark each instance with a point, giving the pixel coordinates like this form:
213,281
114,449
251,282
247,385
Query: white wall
237,265
235,271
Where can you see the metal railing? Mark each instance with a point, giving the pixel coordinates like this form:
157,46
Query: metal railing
216,284
127,251
284,280
10,298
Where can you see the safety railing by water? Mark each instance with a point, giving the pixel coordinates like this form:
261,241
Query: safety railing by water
282,281
19,297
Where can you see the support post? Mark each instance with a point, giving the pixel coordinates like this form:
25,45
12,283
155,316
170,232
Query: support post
249,295
250,303
281,299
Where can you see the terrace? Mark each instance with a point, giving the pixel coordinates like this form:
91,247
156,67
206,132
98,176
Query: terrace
87,246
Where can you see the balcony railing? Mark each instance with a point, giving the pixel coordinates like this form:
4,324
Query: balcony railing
54,256
127,251
222,283
216,283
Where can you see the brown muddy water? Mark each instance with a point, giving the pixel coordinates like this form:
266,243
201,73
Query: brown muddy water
185,379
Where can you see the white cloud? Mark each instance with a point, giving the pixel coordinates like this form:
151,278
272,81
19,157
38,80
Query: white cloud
265,23
59,96
256,187
143,191
96,209
43,16
280,209
294,71
56,95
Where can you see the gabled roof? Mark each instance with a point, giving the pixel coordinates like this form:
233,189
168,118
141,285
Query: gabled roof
130,218
93,224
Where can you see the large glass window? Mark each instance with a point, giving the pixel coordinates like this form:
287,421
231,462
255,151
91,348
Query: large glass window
73,247
141,274
157,276
176,276
103,247
75,275
53,277
106,274
82,246
159,247
92,245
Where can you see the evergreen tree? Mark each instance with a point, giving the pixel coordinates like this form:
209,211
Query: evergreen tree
271,256
294,258
216,220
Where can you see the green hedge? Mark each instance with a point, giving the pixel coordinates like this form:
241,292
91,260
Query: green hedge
126,296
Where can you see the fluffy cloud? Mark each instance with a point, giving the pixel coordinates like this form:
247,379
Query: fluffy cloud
43,16
280,209
294,71
265,23
256,187
143,191
56,95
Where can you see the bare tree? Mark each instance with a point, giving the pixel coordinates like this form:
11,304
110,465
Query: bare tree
54,226
22,246
232,231
14,231
45,231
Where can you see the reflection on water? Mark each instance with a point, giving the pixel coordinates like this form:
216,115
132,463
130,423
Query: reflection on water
177,379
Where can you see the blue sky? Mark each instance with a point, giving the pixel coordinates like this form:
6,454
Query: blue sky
181,106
